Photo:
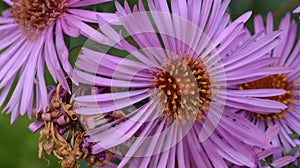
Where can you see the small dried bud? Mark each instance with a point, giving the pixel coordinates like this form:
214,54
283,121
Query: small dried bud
72,114
46,117
55,105
55,114
63,120
34,113
68,106
117,114
48,147
92,159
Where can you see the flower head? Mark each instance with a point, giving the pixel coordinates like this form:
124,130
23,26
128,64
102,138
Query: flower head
176,84
286,54
31,34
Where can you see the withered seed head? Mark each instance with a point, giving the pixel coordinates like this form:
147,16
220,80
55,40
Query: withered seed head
66,145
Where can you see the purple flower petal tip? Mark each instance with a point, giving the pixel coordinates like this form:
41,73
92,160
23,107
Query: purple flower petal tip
33,127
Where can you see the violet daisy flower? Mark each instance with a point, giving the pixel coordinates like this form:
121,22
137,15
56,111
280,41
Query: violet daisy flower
286,54
174,84
31,34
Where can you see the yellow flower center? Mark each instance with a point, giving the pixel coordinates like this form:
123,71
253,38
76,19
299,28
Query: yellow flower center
275,82
33,16
185,87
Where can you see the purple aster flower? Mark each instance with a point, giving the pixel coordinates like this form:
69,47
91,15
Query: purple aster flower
31,34
172,87
286,54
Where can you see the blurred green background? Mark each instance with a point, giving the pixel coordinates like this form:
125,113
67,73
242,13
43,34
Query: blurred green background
18,146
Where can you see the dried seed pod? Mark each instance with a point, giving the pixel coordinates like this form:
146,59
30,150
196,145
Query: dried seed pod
55,114
72,115
63,120
46,117
117,114
48,147
55,105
